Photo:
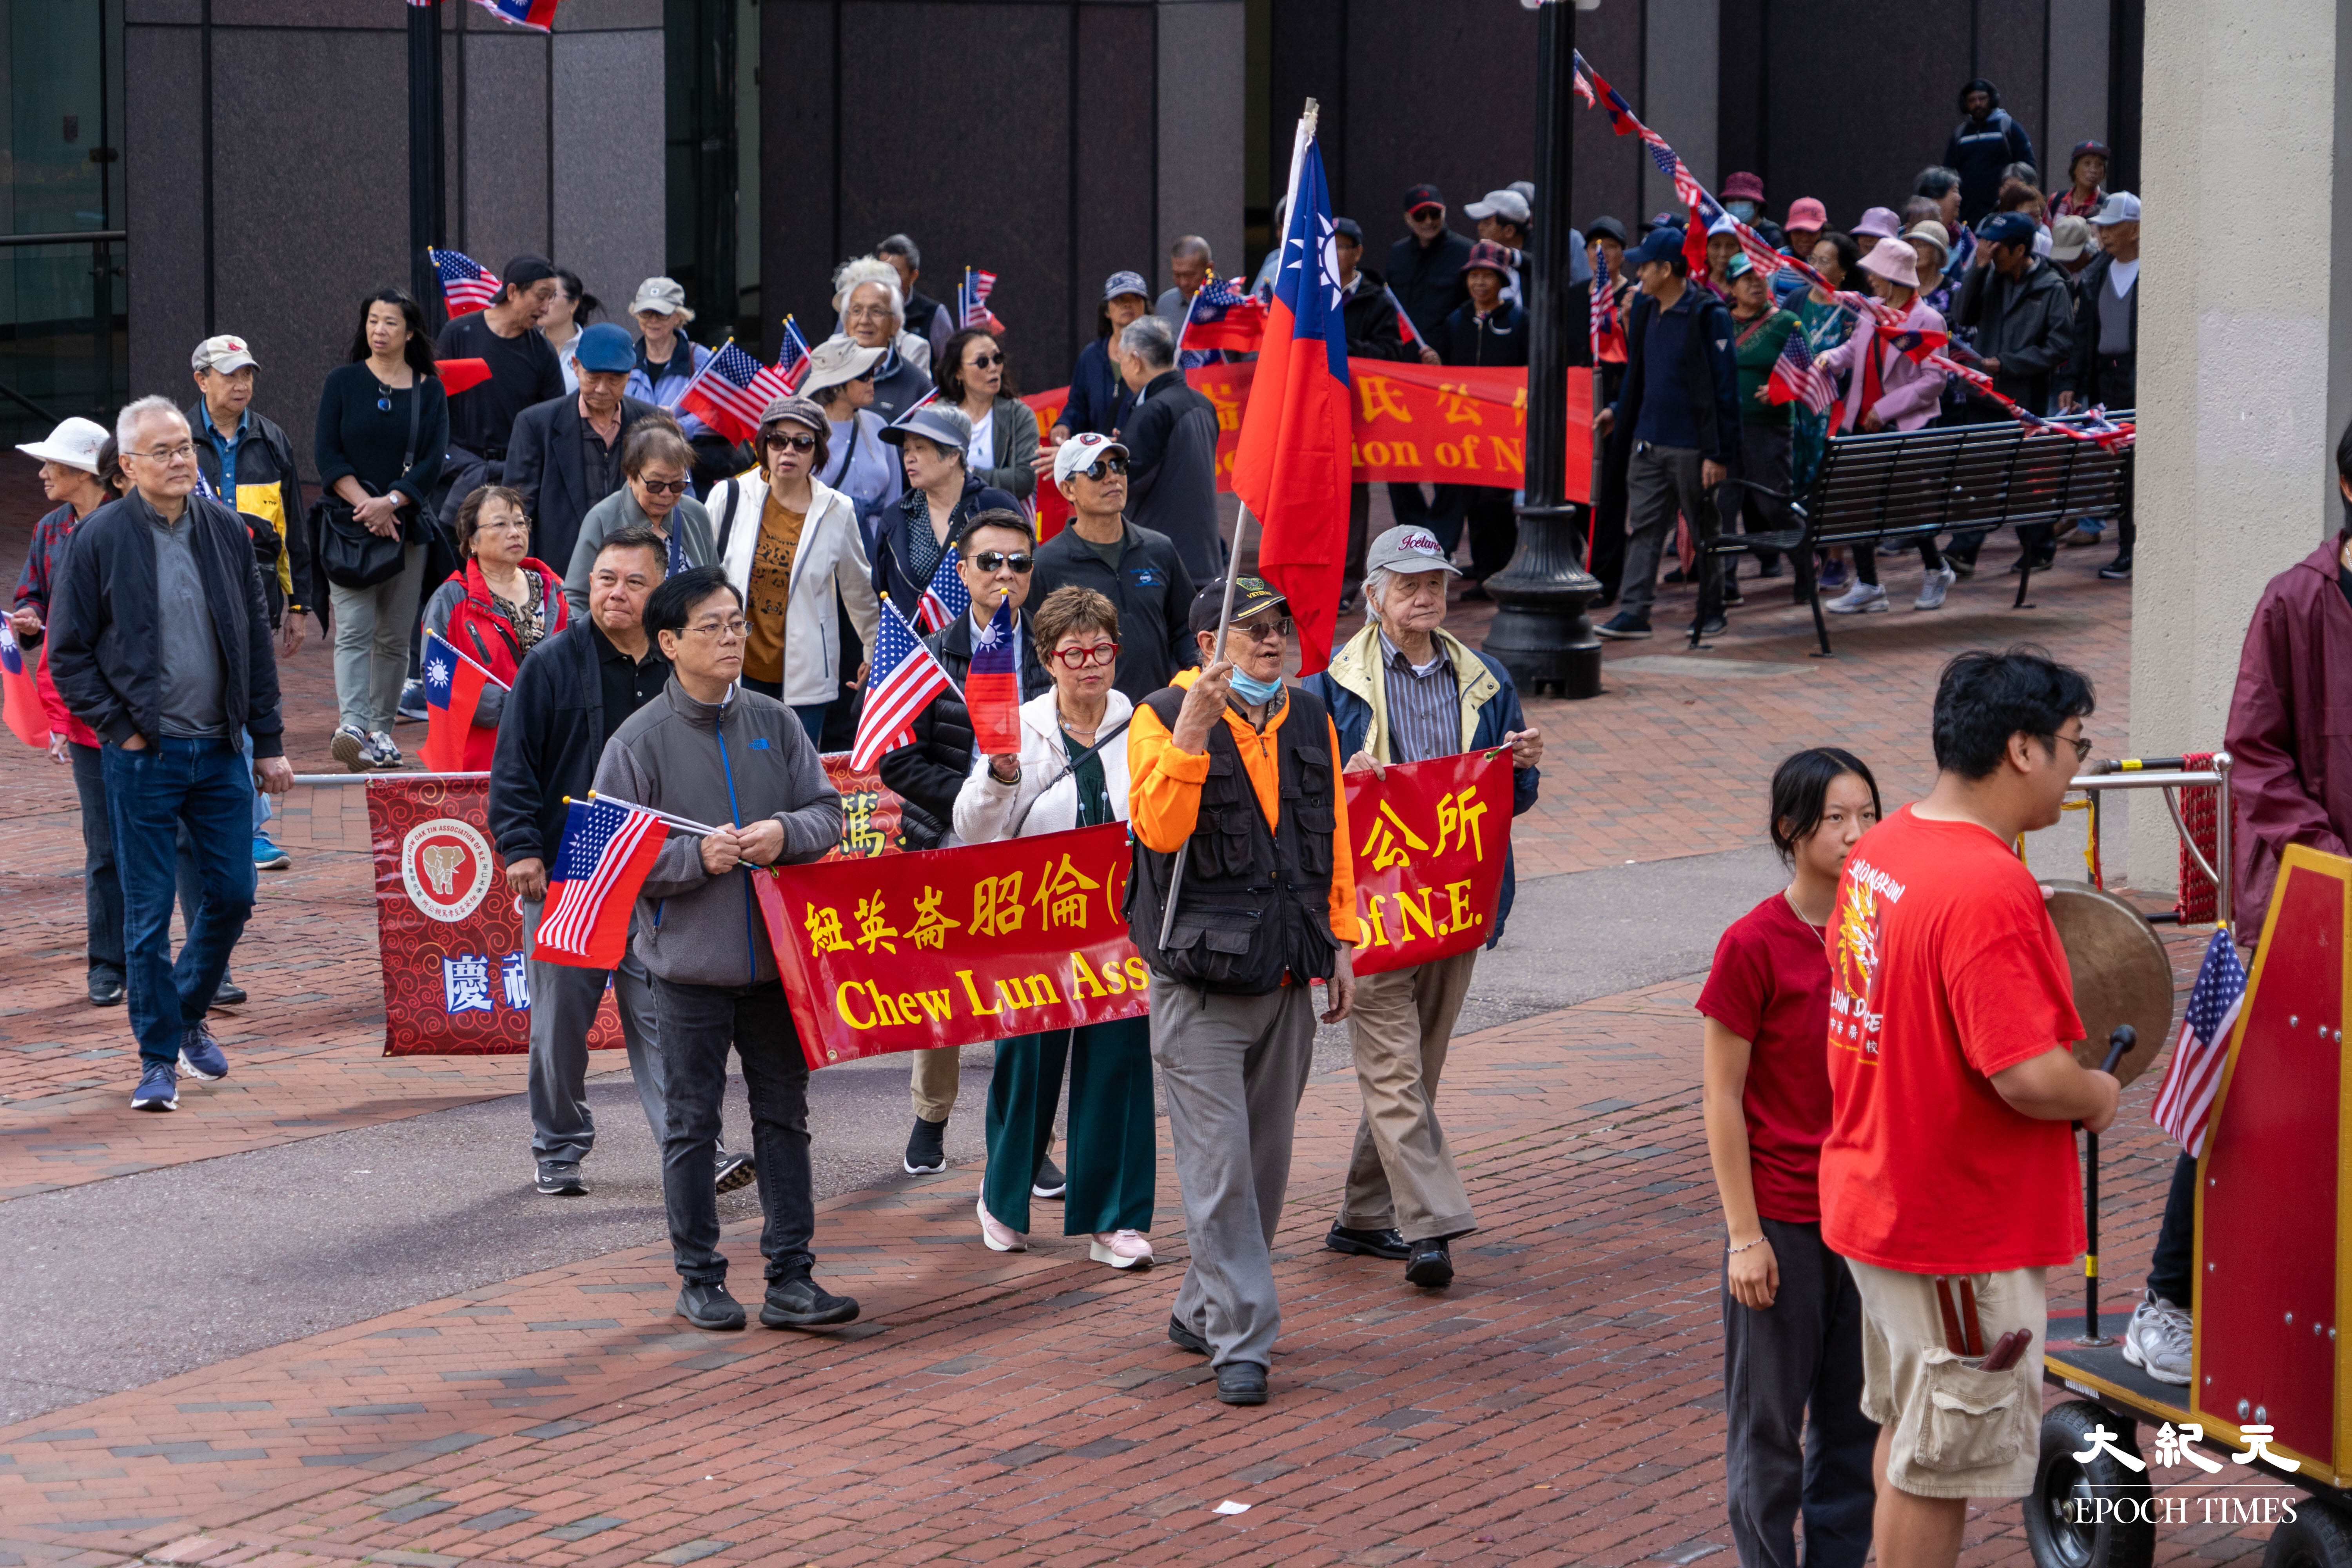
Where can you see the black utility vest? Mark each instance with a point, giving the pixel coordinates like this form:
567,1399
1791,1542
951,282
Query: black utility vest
1255,904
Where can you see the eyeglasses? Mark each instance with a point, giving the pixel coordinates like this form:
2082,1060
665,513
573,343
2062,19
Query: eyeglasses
185,452
997,560
735,630
988,361
505,525
2082,744
779,442
663,487
866,313
1264,631
1104,467
1080,657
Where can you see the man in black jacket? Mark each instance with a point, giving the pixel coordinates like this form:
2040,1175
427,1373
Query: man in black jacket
2104,371
159,640
1170,436
1134,568
565,455
994,558
1425,274
1982,145
2024,316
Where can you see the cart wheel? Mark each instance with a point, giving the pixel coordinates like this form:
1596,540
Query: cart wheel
2063,1519
2316,1538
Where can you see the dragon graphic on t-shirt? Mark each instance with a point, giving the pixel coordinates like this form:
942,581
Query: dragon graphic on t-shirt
1854,962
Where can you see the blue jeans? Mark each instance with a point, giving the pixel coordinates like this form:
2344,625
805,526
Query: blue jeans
206,787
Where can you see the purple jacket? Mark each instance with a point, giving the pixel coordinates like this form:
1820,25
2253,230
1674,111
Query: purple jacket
2290,730
1911,390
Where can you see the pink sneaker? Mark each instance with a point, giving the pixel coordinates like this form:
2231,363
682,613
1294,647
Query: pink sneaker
1122,1248
999,1237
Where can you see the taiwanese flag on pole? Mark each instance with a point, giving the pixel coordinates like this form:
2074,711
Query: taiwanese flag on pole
991,688
453,690
1295,460
21,691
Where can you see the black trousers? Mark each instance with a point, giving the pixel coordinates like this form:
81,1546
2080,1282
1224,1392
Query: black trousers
1494,529
1799,1357
2173,1273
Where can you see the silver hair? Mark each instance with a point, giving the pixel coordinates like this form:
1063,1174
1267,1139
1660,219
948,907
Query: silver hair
1188,248
1376,590
900,245
1150,339
126,422
854,275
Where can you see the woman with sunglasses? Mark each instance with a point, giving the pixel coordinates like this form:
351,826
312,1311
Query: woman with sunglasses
792,547
1070,772
859,463
658,461
1003,447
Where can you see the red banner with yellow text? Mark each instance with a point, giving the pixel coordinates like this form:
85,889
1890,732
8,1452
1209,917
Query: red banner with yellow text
1429,845
450,936
869,810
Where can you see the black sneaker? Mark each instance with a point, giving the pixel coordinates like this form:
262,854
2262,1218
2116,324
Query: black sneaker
1711,626
1430,1266
106,987
2116,571
1050,1183
1625,627
1965,566
230,994
2040,563
735,1171
707,1305
1388,1244
1184,1339
1732,597
802,1304
1241,1383
561,1179
927,1148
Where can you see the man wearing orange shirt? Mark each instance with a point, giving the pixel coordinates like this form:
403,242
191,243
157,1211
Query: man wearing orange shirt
1240,816
1948,1179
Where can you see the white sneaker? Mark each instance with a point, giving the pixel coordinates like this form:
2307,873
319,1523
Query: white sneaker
382,753
350,748
1122,1248
1859,600
1931,591
2160,1340
999,1237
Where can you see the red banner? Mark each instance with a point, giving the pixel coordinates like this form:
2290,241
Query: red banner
952,947
1429,845
869,810
451,934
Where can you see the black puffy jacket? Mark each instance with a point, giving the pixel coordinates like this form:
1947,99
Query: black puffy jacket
929,775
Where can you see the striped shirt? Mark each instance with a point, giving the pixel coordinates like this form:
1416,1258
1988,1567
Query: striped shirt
1424,705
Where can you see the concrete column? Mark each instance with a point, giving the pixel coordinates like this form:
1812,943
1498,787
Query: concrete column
2075,94
2244,381
1202,44
1681,92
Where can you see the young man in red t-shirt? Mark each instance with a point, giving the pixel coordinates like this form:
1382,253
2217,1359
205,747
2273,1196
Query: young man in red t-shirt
1950,1170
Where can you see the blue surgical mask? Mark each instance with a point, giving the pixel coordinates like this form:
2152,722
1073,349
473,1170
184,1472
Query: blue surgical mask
1744,210
1253,690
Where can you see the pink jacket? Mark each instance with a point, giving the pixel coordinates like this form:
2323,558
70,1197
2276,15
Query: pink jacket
1912,390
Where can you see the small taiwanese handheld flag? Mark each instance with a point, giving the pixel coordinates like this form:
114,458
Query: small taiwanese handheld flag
21,691
459,375
453,690
607,852
1223,316
991,688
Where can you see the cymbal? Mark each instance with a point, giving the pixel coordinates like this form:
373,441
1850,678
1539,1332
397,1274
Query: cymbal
2120,972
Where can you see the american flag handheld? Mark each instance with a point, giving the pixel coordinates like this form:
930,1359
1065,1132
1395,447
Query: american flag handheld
465,284
607,852
904,680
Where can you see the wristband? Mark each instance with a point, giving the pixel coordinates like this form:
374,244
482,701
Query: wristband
1731,1251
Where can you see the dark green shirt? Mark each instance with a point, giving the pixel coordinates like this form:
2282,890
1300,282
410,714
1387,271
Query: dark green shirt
1756,343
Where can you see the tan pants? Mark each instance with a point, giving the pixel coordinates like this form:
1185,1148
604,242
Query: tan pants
938,1074
1402,1173
1960,1431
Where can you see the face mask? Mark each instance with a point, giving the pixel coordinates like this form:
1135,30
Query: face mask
1253,690
1745,211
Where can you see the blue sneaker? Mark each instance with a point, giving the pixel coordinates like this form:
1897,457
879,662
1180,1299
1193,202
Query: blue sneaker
268,856
159,1089
201,1054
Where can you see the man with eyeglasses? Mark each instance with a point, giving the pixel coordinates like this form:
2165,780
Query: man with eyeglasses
1241,821
159,640
1137,569
994,556
708,749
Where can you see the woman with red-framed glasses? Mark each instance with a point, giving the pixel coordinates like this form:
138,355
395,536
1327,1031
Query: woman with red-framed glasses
1070,772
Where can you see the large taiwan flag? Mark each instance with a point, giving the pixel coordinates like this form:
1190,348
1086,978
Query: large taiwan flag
1294,461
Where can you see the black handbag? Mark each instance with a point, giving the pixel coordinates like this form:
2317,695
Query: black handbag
351,554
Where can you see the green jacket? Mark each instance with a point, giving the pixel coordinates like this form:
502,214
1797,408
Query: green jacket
1755,345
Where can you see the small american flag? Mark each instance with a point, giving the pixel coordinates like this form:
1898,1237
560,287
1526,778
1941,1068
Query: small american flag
1608,331
2184,1106
1796,379
976,286
904,680
945,599
606,851
466,283
731,391
793,364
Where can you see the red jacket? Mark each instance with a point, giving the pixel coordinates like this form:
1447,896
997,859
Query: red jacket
475,629
2290,730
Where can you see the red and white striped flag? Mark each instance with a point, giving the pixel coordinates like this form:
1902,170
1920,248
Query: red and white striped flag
608,848
466,283
904,680
2184,1106
732,390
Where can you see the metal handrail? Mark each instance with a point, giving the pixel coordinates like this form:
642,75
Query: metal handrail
2168,776
65,237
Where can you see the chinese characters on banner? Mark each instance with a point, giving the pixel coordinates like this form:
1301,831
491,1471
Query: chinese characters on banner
451,938
869,810
1429,845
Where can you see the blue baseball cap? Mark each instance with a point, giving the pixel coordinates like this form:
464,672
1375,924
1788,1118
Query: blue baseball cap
606,346
1656,245
2006,228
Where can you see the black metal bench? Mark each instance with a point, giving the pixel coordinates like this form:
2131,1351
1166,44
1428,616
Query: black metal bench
1914,484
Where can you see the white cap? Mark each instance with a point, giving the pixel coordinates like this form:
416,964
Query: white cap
74,444
663,295
2121,207
222,353
1079,454
1506,203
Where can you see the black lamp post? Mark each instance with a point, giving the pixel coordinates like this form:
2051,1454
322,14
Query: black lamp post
428,215
1539,631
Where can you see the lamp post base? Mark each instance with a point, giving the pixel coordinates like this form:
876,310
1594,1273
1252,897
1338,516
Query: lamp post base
1540,633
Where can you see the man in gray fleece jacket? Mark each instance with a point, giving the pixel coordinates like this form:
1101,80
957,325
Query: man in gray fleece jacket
710,751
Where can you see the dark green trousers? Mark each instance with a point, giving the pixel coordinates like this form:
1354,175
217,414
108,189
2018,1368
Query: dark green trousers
1112,1161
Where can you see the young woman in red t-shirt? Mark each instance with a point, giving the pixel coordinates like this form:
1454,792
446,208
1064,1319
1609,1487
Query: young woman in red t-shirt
1791,1318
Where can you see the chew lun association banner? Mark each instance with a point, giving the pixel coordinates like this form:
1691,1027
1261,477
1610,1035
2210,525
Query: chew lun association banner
869,810
1430,840
451,934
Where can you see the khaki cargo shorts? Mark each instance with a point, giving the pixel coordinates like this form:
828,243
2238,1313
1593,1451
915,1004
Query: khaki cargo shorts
1958,1431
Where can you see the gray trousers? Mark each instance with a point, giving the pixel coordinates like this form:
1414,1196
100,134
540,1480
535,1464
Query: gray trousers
1400,1173
1234,1068
372,628
563,1001
1795,1438
1660,482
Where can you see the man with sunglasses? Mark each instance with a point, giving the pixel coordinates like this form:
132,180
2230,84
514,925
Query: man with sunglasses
1137,569
1425,275
996,560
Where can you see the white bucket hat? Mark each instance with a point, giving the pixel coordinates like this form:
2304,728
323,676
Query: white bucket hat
74,444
